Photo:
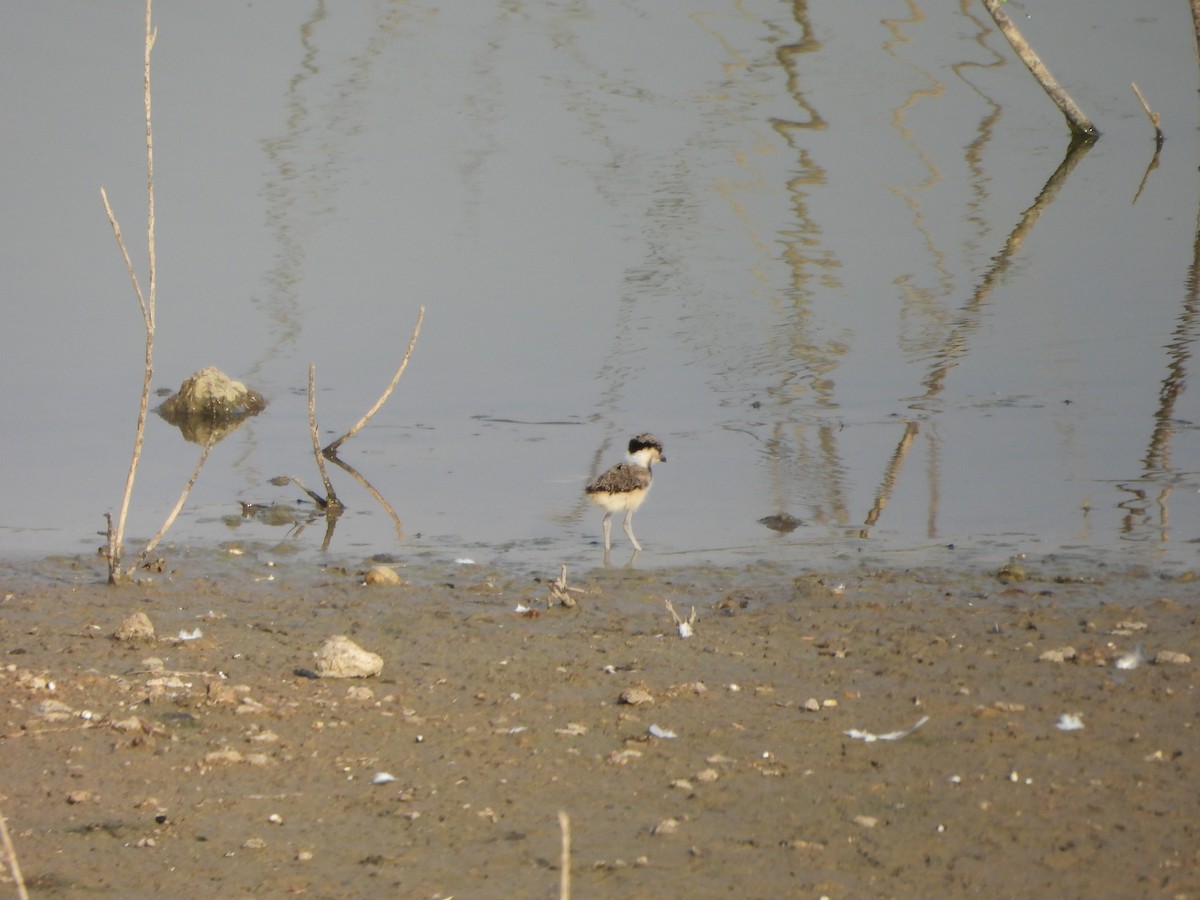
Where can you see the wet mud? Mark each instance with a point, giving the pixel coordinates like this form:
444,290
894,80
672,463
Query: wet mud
750,759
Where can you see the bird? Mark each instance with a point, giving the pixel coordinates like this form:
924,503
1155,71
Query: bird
624,486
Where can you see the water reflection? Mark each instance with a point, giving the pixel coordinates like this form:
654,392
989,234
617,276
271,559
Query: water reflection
796,242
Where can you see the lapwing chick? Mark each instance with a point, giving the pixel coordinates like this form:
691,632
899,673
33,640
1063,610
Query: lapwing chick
624,486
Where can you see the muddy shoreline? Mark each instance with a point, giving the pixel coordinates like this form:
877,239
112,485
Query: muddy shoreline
205,763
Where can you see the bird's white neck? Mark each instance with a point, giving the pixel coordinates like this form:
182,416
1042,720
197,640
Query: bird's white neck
643,457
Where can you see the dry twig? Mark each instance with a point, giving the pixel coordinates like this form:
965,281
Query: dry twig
331,500
1155,118
564,884
147,302
13,865
170,520
332,449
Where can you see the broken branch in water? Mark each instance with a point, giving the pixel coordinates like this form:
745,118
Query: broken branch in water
1079,123
332,448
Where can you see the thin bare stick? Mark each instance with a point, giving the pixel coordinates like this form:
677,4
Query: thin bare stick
1079,124
333,447
147,303
170,520
151,37
12,859
371,489
137,287
1155,118
564,884
330,497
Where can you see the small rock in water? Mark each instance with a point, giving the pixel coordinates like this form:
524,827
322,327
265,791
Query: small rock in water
212,394
340,657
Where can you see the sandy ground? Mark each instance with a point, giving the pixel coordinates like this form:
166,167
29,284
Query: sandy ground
215,766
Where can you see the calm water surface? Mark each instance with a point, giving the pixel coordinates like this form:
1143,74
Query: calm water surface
836,255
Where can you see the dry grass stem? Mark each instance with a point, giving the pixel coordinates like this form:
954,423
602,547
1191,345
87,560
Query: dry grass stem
1079,123
13,865
564,884
147,303
1155,118
331,499
333,447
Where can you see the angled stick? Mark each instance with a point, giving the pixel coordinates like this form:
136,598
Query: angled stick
332,448
170,520
1155,118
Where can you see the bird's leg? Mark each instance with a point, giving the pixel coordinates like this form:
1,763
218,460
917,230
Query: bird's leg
607,525
628,526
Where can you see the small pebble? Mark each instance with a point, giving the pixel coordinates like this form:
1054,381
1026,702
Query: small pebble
636,696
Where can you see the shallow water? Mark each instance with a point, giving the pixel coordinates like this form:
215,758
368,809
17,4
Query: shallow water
826,253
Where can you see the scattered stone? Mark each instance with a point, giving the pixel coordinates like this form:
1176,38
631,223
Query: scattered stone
621,757
248,706
707,776
1170,657
221,692
340,657
636,696
1012,572
1059,655
666,826
226,756
384,575
1127,628
866,821
812,704
359,692
135,627
77,797
53,710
